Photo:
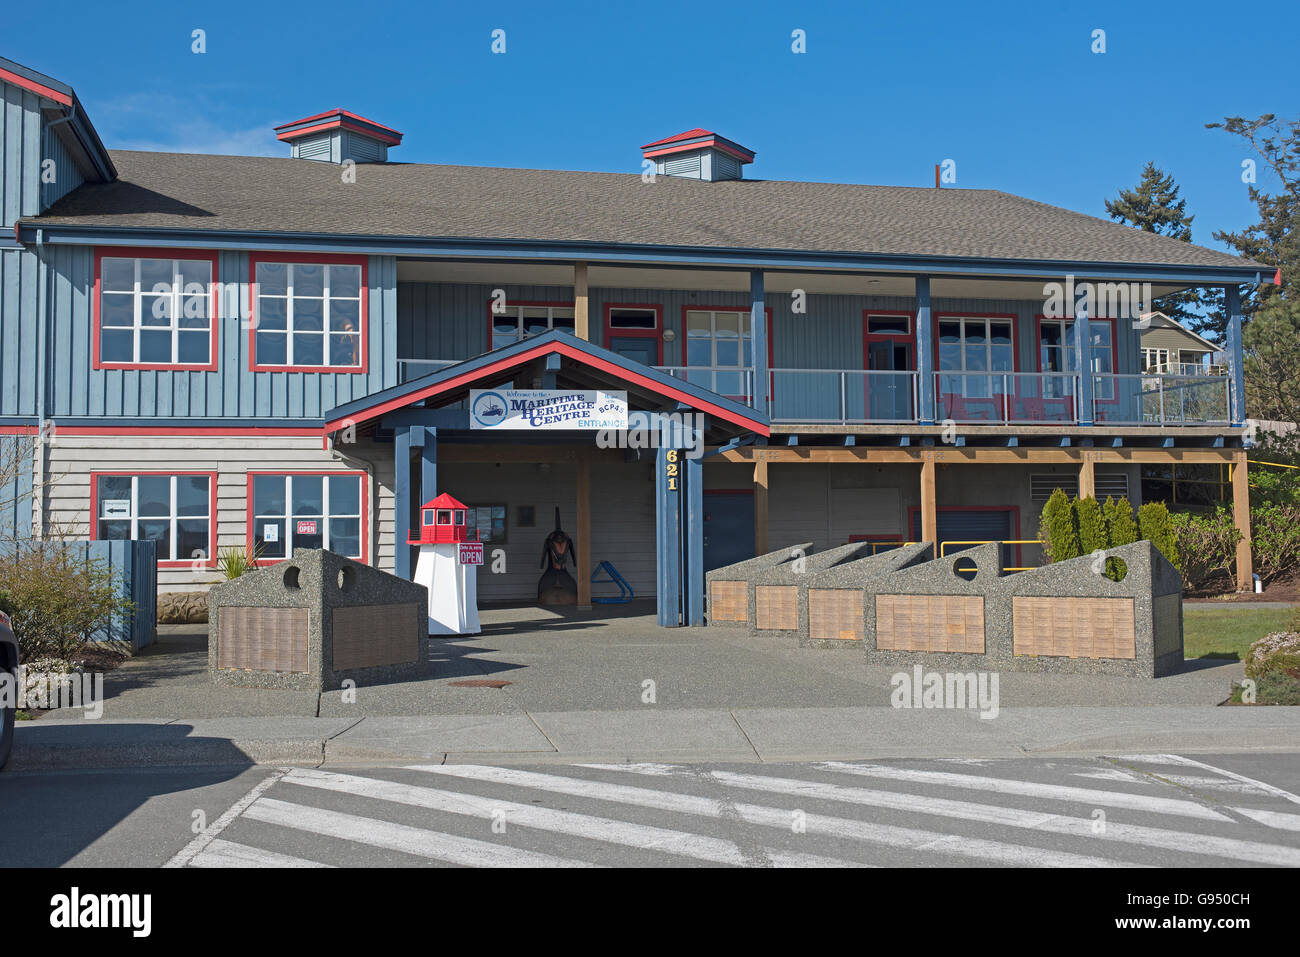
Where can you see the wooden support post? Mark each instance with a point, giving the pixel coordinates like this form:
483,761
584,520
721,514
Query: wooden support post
1241,517
581,324
583,571
929,511
1087,481
760,506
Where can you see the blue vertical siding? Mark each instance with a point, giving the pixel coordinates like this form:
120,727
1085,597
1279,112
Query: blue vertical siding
233,390
67,176
20,154
18,327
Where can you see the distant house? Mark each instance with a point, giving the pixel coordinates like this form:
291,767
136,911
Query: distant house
1170,348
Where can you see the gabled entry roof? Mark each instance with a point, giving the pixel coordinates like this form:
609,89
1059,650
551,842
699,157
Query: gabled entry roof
576,364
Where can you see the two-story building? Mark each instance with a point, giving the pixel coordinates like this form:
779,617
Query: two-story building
229,351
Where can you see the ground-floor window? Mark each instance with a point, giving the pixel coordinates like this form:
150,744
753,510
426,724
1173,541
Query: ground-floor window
486,523
174,510
306,510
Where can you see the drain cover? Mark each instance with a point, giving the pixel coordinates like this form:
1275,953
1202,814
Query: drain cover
480,683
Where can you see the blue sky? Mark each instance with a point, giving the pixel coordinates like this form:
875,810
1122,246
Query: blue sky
1012,92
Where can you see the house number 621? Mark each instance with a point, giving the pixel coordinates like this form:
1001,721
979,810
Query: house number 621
670,469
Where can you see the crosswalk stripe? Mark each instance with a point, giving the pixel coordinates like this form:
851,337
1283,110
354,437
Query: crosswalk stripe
223,853
1286,822
1262,786
399,837
1187,843
608,830
1054,792
885,834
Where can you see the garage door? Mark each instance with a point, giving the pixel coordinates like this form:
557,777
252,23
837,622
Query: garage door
975,525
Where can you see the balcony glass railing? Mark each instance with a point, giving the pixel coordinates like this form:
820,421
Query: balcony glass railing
1021,398
1161,400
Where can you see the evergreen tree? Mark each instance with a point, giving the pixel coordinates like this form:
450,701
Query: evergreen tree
1155,207
1120,525
1058,530
1156,527
1092,526
1272,339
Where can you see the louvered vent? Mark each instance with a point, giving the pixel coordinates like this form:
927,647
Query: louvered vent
1112,484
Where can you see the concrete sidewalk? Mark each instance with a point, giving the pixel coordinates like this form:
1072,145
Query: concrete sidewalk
655,734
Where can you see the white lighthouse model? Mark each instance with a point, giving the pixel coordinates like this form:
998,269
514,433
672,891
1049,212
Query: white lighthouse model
448,567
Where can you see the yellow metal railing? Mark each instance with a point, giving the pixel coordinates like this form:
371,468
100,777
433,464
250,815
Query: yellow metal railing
943,549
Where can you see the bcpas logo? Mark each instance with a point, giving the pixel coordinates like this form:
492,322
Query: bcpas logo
75,910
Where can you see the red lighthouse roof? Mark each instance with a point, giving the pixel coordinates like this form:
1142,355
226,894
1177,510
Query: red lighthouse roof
442,521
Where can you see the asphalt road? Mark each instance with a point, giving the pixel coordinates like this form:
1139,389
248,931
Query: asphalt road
1134,810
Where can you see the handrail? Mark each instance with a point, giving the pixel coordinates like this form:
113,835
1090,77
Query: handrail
943,546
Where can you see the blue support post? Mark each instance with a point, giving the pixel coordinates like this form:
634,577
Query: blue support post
1083,356
925,412
1237,387
668,591
402,503
758,334
693,545
428,464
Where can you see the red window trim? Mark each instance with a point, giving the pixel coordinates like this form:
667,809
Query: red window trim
523,302
657,333
914,510
249,513
333,259
702,308
212,510
870,337
158,252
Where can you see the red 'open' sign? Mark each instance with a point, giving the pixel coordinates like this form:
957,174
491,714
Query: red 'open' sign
471,553
308,526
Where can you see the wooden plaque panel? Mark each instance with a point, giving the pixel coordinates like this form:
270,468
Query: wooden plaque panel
776,607
930,623
835,613
1073,627
370,635
262,639
729,601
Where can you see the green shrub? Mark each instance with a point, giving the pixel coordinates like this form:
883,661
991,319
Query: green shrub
1121,527
1091,524
1059,529
1156,527
1279,651
56,598
234,561
1208,547
1275,539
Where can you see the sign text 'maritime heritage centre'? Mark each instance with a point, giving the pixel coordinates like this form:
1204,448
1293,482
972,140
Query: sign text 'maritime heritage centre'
547,410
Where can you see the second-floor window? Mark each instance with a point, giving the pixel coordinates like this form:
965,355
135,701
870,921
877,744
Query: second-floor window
1056,352
517,322
155,313
309,316
976,351
718,341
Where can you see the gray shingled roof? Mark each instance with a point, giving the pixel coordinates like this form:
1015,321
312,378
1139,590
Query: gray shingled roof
195,191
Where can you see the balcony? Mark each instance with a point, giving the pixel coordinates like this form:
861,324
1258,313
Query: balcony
860,397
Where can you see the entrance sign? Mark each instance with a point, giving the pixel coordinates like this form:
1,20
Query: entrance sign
471,553
540,410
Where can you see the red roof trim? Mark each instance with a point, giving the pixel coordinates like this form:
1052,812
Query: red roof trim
338,112
339,120
688,135
35,87
721,147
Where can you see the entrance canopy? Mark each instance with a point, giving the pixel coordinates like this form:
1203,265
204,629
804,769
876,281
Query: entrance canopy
558,360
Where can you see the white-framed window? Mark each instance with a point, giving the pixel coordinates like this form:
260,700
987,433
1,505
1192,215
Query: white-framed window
173,510
1056,352
308,315
520,321
716,342
976,344
306,511
155,312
